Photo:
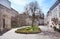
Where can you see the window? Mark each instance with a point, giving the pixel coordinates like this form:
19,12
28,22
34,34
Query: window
59,14
59,7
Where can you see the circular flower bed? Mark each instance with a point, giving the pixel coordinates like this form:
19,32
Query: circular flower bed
29,30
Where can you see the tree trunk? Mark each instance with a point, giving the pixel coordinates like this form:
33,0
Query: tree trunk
32,21
33,18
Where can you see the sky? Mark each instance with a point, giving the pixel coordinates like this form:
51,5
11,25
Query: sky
19,5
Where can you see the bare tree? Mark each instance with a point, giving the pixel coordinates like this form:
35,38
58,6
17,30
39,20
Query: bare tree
32,8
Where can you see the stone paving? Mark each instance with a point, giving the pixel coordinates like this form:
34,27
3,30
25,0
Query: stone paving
46,33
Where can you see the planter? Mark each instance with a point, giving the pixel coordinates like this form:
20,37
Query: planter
28,30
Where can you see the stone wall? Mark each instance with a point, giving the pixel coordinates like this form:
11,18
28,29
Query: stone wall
7,14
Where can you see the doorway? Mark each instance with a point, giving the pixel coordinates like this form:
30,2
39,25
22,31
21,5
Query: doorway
3,23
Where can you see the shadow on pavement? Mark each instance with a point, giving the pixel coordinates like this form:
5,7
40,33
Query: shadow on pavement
4,31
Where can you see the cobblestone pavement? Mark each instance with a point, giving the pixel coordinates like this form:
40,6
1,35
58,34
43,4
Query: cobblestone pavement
46,33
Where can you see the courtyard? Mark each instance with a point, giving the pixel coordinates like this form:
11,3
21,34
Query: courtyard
47,33
29,17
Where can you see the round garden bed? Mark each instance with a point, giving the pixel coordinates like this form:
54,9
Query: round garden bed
29,30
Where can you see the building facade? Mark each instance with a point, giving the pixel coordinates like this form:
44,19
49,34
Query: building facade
26,19
54,12
22,19
6,14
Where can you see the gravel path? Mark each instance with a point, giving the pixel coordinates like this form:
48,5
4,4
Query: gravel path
45,34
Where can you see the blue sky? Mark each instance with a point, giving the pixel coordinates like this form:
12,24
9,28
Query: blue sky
19,5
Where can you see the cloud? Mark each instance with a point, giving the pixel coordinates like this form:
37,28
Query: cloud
24,2
20,4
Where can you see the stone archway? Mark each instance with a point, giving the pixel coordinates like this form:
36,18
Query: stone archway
6,21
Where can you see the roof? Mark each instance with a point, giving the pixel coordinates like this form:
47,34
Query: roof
14,10
54,5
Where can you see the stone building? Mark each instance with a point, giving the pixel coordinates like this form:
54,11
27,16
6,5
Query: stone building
26,19
40,19
7,15
22,19
54,12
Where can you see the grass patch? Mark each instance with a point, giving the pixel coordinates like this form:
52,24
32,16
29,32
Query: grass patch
29,30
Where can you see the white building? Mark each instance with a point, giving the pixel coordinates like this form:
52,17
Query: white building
54,12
